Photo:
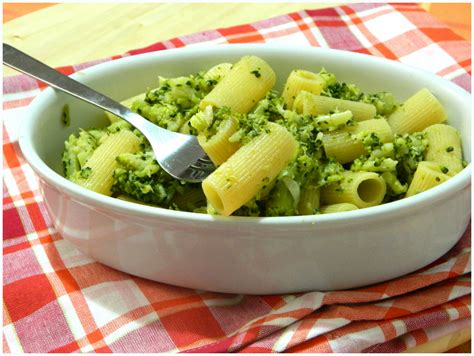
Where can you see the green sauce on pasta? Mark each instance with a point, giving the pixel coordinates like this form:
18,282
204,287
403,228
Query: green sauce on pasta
174,105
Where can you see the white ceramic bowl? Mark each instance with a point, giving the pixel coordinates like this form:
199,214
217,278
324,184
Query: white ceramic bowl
239,254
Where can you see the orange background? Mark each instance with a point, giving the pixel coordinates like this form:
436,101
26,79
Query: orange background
12,11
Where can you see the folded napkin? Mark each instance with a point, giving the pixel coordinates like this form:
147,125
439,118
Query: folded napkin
57,299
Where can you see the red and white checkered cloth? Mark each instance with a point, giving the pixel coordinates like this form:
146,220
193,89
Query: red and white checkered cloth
58,300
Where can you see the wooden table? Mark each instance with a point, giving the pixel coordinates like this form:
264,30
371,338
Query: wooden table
60,34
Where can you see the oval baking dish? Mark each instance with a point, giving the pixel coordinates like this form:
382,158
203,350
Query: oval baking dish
244,254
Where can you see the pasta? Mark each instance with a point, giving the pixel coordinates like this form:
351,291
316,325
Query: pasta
444,148
299,80
417,112
310,104
363,189
309,200
243,86
218,147
323,146
218,71
100,166
237,180
343,145
427,175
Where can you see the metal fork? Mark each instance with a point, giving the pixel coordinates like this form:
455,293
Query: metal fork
179,155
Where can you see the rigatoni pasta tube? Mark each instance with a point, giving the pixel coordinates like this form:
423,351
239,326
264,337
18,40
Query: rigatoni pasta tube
341,146
337,208
309,200
427,176
218,72
218,147
102,163
310,104
255,164
243,86
299,80
363,189
416,113
444,147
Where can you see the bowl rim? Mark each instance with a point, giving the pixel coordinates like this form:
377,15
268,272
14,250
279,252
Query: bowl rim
402,206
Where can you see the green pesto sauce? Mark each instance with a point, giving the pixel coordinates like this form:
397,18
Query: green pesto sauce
66,116
256,73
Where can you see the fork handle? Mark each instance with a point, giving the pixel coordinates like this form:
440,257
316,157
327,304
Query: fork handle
22,62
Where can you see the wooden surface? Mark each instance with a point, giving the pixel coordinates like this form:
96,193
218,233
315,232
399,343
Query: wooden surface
64,34
74,33
458,342
61,34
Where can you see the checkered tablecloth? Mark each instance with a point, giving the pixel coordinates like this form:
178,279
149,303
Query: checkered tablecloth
57,299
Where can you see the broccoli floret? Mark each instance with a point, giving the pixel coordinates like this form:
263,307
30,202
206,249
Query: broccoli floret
207,122
394,187
254,123
280,202
164,115
78,149
329,78
341,90
183,92
379,164
118,125
140,177
380,157
384,102
174,102
251,208
409,150
330,171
